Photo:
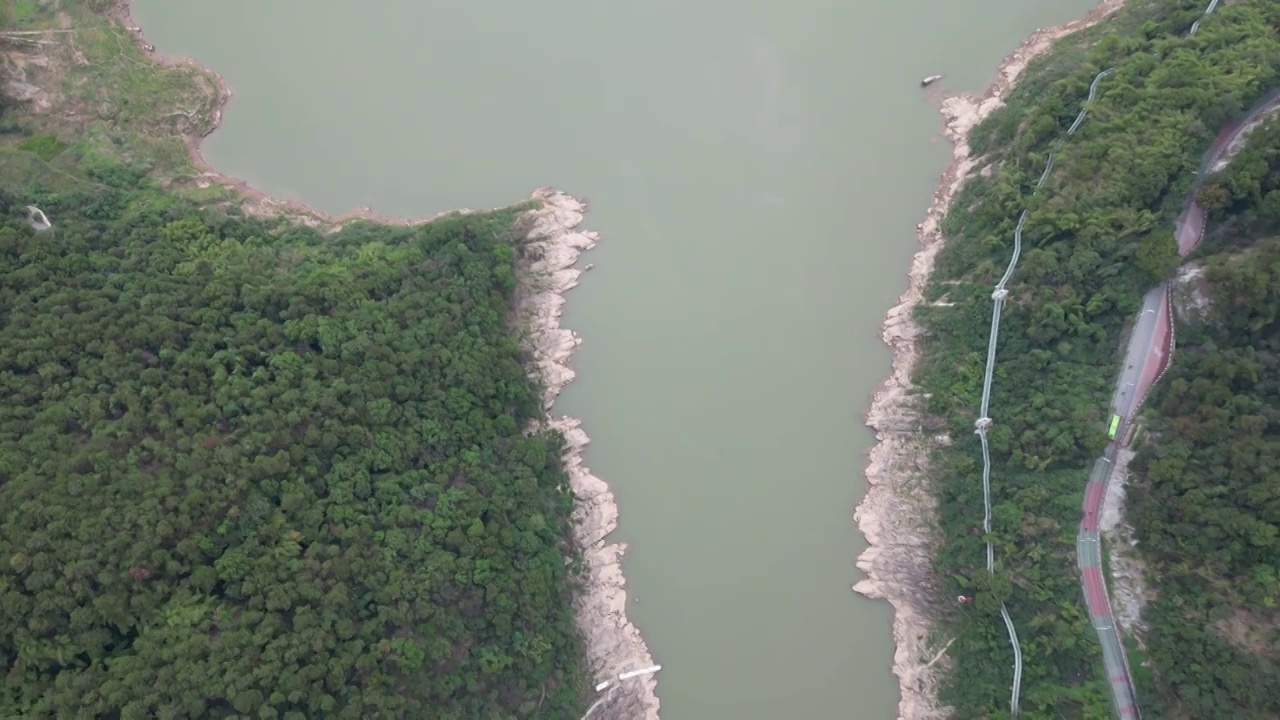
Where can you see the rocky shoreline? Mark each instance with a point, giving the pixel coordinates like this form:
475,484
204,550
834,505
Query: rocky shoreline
897,514
613,644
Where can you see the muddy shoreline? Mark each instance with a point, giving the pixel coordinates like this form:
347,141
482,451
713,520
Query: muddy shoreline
613,644
897,516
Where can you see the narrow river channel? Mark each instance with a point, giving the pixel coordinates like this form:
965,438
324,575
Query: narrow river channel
756,170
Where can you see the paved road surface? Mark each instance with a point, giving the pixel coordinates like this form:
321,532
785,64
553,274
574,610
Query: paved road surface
1147,357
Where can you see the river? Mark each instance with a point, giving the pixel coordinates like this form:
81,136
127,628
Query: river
755,169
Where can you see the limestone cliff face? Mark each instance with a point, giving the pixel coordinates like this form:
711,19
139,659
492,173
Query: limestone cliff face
614,645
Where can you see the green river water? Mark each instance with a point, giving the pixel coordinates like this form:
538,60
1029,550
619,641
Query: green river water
756,170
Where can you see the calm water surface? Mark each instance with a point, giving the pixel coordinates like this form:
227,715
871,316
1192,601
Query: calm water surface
756,170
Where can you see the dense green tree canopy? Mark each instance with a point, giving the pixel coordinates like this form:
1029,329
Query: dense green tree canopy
1207,504
250,470
1098,234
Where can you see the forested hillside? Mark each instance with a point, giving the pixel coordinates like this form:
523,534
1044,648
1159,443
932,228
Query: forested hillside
248,467
1206,505
1099,233
252,469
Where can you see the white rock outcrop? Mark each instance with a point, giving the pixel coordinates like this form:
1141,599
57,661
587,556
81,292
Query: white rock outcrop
897,514
614,645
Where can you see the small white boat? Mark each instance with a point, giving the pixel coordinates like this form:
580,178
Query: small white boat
930,80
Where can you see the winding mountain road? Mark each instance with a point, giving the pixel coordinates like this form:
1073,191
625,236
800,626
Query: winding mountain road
1147,357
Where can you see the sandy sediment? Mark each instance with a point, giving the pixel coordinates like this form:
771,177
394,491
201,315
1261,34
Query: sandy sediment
613,644
897,514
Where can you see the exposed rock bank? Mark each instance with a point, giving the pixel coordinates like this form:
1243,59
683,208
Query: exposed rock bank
897,514
1191,295
614,645
1128,589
